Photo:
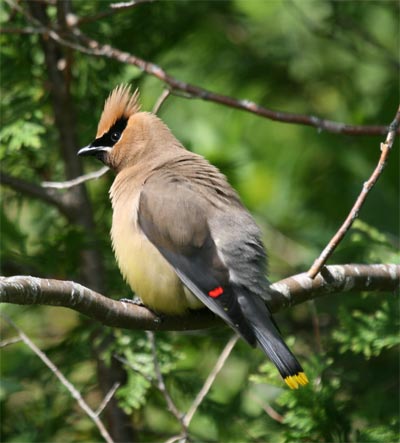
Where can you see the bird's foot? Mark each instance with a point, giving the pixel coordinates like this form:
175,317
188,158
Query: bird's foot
137,301
133,301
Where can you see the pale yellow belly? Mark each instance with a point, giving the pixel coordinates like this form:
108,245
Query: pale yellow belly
149,275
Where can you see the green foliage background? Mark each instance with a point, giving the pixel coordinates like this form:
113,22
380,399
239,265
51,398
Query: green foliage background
336,60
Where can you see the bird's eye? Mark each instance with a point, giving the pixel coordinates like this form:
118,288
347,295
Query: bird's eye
115,136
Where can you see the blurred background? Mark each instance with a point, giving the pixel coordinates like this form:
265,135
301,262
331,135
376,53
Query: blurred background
336,60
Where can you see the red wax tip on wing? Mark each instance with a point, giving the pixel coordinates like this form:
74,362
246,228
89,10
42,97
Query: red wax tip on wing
214,293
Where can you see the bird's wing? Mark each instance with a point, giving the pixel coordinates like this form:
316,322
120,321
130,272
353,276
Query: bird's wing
173,214
173,217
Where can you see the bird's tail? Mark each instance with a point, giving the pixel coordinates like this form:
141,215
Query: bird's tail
273,345
271,342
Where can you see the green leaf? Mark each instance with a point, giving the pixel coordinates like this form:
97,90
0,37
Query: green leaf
20,134
369,334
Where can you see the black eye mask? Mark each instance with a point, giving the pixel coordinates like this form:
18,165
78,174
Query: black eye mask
113,135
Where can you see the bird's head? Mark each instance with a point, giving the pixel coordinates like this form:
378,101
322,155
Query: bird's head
120,129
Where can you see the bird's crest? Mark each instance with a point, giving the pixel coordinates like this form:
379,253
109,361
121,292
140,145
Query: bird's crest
121,103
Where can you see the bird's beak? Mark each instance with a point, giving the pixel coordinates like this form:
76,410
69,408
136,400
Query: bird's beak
87,150
92,150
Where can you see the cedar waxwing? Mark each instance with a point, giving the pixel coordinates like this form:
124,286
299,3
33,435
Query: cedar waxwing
181,236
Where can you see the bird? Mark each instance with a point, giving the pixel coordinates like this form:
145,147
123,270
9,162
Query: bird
182,238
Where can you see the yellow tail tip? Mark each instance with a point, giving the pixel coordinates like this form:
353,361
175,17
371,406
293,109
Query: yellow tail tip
293,381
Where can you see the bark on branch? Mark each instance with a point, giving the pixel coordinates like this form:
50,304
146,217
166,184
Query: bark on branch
26,290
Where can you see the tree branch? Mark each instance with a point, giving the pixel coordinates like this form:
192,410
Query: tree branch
160,383
26,290
59,86
10,341
36,191
114,9
160,101
78,180
269,410
210,379
107,398
70,387
92,47
186,418
28,30
353,214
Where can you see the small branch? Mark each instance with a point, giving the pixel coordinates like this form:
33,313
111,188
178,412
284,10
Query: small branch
9,341
316,325
26,290
160,381
115,8
130,4
210,379
70,387
36,191
334,279
185,422
177,438
95,48
368,185
76,181
27,30
107,398
49,32
269,410
129,365
161,99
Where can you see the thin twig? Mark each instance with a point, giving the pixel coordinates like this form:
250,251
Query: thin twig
126,5
161,99
115,8
50,32
70,387
210,379
187,418
316,325
159,384
107,398
160,381
9,341
127,363
95,48
76,181
27,30
36,191
269,410
181,438
272,413
353,214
